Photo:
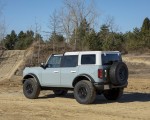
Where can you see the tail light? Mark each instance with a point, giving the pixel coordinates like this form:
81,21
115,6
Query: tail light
100,73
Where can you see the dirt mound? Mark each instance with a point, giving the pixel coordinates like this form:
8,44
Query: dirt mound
9,62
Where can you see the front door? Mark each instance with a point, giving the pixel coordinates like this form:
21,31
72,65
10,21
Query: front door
51,75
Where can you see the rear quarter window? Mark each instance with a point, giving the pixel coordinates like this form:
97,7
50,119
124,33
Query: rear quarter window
108,59
88,59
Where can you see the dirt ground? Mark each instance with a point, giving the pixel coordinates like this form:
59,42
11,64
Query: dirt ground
134,105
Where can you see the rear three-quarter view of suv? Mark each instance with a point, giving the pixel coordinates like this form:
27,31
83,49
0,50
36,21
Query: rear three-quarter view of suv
87,73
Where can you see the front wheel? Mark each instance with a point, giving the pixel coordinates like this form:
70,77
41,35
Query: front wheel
113,94
84,92
31,88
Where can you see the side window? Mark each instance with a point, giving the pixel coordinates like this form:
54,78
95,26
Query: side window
70,61
54,62
88,59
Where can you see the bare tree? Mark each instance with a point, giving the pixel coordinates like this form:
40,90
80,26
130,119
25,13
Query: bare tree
73,13
55,22
113,28
37,30
2,31
55,27
2,23
66,23
110,22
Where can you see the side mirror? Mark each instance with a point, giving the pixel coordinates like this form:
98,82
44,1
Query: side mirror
43,65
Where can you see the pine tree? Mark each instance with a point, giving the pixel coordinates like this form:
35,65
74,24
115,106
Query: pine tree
82,32
146,25
146,32
94,42
56,40
24,40
103,37
10,40
78,39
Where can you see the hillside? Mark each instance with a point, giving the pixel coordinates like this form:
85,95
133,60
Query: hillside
10,60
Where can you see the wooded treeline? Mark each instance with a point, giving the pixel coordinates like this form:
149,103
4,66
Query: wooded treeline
87,39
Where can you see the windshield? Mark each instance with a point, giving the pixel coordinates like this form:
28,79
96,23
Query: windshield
54,61
108,59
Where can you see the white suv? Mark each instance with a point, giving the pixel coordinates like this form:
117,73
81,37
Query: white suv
87,73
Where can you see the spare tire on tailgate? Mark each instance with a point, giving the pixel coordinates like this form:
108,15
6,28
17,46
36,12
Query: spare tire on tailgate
118,73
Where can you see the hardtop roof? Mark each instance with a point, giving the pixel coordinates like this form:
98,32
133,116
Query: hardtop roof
90,52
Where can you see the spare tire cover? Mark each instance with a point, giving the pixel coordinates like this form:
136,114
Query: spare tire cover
118,73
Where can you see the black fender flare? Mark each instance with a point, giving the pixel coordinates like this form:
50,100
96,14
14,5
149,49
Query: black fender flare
30,75
82,77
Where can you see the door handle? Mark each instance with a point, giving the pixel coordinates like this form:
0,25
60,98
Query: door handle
73,71
55,71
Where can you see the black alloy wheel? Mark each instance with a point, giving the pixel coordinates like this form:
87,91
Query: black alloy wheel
31,88
84,92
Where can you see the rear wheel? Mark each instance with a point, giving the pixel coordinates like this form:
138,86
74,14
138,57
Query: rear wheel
84,92
60,92
113,94
31,88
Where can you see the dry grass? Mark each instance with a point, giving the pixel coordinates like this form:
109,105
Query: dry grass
137,59
139,66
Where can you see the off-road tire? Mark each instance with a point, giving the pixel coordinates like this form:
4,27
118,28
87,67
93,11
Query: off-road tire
60,92
84,92
113,94
31,88
118,73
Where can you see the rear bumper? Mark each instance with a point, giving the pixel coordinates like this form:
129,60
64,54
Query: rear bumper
104,86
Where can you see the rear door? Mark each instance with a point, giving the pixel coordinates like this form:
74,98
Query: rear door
69,70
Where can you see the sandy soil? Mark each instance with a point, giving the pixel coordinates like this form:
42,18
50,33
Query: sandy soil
134,105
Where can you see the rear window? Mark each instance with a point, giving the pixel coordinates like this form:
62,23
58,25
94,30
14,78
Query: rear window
88,59
108,59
